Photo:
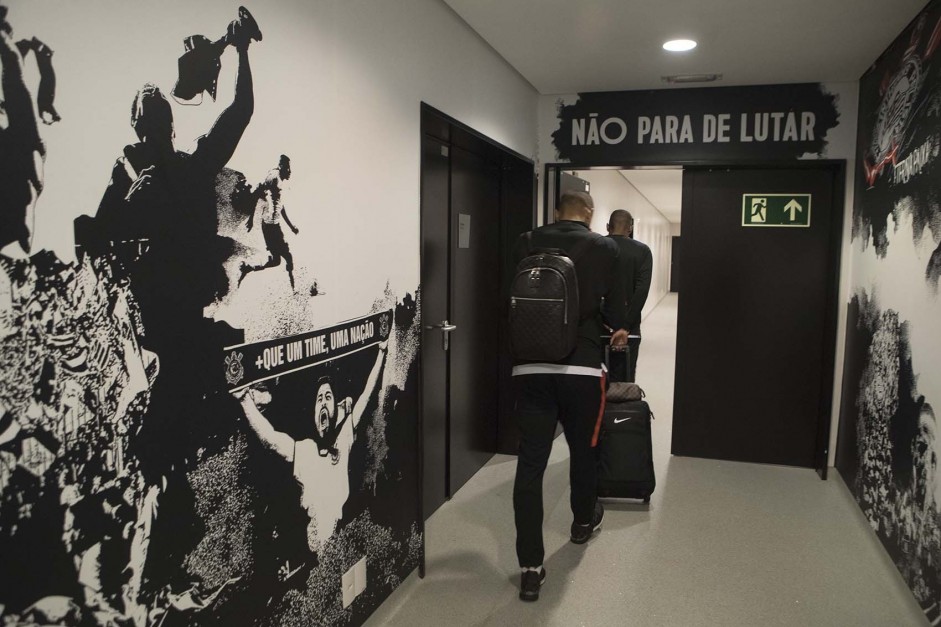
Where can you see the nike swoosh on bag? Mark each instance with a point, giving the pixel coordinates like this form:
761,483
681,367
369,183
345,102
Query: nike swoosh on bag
618,421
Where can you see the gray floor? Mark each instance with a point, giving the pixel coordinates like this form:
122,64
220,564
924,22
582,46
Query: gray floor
721,544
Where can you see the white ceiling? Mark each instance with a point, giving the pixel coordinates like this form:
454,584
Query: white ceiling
565,46
663,188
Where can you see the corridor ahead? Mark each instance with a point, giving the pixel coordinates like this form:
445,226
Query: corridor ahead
722,543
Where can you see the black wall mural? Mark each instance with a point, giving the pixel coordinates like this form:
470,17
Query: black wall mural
888,447
888,450
768,122
156,468
899,143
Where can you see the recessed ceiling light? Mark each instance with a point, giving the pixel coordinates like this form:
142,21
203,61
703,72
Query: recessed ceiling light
691,78
679,45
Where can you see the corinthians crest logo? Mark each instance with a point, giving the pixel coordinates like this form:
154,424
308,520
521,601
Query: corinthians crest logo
234,372
899,98
894,116
384,326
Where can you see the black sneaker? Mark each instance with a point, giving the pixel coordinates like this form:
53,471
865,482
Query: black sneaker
582,533
530,583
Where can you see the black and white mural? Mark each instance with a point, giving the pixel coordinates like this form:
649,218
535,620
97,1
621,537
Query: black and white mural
888,447
208,404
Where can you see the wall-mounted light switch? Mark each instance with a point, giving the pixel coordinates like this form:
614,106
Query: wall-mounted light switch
349,587
359,570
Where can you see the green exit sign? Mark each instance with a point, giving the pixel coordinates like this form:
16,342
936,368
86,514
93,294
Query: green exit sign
776,210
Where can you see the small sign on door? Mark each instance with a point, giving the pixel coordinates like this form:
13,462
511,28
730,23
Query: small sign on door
780,210
463,230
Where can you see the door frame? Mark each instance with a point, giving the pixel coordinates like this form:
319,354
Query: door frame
552,176
438,125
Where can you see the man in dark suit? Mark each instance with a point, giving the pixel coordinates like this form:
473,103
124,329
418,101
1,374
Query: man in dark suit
636,268
568,391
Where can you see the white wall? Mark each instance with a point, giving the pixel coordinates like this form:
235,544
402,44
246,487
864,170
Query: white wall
611,191
889,447
337,88
841,145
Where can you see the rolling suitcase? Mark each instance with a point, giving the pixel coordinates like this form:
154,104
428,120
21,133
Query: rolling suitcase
625,452
625,448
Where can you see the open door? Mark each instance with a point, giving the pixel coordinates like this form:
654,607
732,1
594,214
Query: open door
757,314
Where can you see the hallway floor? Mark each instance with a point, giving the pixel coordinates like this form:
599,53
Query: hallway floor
722,543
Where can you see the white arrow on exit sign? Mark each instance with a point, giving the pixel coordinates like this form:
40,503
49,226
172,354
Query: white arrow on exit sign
793,207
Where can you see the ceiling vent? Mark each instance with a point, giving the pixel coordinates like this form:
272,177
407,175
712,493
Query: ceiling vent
691,78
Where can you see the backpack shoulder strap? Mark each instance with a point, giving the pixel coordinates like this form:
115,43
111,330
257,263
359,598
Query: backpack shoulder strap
582,247
528,235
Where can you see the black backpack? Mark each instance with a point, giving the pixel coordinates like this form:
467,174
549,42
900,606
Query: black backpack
544,312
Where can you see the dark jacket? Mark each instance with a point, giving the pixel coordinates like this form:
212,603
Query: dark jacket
597,270
636,263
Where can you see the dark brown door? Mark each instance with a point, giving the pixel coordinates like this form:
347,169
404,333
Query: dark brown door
675,265
519,215
755,335
476,198
435,234
475,311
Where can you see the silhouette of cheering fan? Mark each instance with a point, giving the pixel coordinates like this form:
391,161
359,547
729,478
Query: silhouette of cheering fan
199,66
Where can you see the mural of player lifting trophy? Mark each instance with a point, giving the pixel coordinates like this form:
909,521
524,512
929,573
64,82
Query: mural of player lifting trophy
137,484
199,66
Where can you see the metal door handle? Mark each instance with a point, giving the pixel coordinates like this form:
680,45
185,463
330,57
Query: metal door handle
446,328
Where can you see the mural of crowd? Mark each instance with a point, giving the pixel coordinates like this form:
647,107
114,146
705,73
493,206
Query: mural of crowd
889,447
135,488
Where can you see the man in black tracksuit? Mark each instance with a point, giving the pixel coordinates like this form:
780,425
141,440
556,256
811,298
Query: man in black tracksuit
569,391
636,268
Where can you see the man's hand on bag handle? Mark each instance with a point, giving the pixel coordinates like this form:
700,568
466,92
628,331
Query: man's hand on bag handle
619,339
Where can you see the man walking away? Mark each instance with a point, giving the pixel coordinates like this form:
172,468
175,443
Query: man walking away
637,266
569,391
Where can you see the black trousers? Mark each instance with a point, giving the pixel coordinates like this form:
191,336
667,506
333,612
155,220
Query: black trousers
542,400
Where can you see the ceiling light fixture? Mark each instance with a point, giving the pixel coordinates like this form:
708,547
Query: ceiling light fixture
691,78
679,45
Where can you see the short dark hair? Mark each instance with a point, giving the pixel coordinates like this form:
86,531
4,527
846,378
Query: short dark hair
575,201
621,219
